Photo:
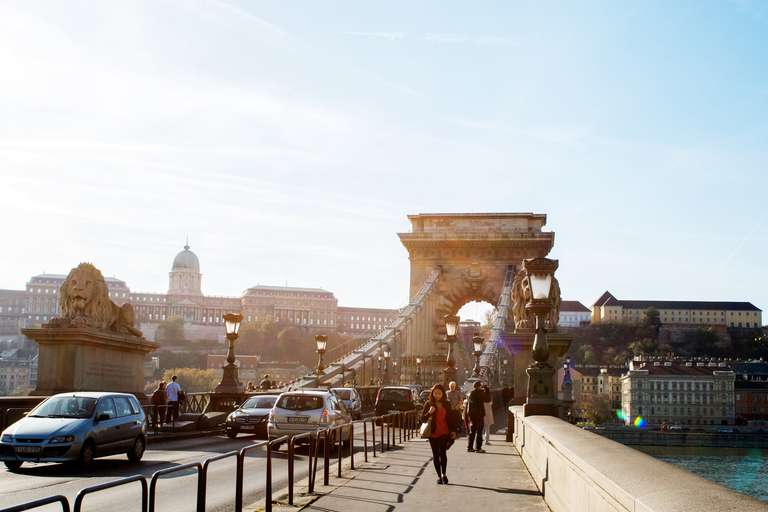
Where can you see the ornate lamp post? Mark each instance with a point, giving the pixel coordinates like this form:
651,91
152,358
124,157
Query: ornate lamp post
322,341
387,354
567,390
451,326
230,382
418,370
540,396
477,341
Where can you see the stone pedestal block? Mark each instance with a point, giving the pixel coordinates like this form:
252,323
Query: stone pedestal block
86,359
558,346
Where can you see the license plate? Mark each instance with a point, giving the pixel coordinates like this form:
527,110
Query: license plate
297,419
27,449
247,427
393,412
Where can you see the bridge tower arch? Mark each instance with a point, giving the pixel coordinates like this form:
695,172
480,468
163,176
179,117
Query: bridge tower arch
475,254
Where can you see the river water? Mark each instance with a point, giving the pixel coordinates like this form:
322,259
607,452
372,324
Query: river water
742,469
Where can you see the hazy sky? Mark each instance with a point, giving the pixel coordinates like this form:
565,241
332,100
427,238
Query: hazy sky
290,140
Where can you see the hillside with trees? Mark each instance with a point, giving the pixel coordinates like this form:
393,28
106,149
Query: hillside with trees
613,343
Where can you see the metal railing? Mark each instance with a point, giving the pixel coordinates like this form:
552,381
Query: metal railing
399,426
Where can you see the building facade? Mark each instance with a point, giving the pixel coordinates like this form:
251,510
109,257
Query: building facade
574,314
312,309
678,392
678,313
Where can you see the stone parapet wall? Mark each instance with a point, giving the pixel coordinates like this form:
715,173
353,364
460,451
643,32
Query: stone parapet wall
578,471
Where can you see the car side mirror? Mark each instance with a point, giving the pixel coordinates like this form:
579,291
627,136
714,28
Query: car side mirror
103,417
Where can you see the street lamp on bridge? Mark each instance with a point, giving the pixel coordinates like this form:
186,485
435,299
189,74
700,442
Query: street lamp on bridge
418,370
477,341
322,341
230,381
387,353
451,326
541,398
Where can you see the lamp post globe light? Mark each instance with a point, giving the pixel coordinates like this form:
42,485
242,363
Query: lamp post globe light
540,393
477,342
451,327
230,381
395,379
322,341
418,370
387,354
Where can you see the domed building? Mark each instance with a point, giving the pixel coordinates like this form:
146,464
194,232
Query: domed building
185,274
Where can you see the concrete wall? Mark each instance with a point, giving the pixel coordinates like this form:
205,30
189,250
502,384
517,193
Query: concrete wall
634,436
579,471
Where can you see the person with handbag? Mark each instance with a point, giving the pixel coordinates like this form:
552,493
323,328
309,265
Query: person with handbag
439,415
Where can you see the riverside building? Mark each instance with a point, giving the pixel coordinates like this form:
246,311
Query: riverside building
678,392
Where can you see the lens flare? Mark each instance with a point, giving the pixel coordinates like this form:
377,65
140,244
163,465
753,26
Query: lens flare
640,422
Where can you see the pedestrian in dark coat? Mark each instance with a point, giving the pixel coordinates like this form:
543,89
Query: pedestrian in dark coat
476,415
440,414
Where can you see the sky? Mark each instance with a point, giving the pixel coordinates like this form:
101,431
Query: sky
289,141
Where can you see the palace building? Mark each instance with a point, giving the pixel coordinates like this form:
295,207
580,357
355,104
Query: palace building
678,313
312,309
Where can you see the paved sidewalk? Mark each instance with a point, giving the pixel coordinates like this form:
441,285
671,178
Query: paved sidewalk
405,479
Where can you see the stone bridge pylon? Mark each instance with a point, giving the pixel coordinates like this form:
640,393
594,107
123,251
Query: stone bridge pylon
457,258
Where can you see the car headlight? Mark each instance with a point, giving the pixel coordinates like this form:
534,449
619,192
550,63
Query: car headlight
62,439
7,438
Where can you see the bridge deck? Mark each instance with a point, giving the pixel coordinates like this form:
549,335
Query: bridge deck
405,479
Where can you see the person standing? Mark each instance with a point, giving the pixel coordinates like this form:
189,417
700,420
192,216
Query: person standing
488,418
172,390
439,413
505,394
264,385
160,401
476,416
454,396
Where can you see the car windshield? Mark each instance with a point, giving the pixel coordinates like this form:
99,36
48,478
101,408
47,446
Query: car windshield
65,407
300,402
345,394
396,395
259,402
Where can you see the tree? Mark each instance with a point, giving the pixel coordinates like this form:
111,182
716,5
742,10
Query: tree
171,332
597,408
193,380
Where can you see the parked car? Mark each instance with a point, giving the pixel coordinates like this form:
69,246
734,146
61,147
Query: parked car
76,427
424,395
352,401
252,416
297,412
393,399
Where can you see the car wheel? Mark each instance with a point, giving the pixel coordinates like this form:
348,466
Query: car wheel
276,446
231,434
86,454
13,465
137,450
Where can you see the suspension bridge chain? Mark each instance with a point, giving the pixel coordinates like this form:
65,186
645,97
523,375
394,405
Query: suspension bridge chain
373,347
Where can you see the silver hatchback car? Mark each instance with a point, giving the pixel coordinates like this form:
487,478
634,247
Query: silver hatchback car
76,427
352,401
297,412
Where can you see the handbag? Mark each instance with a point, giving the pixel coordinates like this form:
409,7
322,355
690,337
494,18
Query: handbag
425,430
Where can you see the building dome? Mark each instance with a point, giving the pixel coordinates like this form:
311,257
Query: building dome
186,259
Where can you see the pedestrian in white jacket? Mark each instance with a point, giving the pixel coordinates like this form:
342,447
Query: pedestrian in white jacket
488,420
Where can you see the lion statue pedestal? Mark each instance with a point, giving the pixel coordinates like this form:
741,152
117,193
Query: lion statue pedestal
94,346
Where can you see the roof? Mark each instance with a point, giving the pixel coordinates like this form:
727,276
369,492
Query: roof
677,369
749,368
261,287
62,277
574,306
606,299
186,259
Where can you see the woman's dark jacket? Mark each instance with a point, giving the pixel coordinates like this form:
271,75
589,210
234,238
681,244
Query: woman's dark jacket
450,416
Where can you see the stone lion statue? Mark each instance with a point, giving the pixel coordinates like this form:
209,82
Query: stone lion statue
84,300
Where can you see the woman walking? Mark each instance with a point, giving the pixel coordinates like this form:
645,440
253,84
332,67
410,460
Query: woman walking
439,413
